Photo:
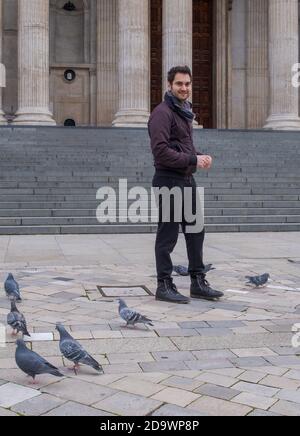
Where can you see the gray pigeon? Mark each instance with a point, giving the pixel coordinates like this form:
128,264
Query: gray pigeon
131,316
183,271
73,351
33,364
12,288
17,320
258,280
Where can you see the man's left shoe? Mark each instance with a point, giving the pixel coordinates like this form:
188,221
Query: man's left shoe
200,288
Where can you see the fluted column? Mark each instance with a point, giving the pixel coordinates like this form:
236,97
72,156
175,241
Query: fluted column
221,56
107,61
257,63
283,54
2,70
134,64
177,35
33,56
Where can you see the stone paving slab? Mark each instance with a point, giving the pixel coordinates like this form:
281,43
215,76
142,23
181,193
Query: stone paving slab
76,390
217,407
38,405
75,409
126,404
233,357
173,410
11,394
219,392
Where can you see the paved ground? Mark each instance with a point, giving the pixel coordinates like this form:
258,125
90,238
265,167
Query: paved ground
229,358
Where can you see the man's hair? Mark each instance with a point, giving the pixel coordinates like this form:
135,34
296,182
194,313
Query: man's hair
179,69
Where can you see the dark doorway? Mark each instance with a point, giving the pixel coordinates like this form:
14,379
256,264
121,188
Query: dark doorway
69,123
203,62
202,58
156,52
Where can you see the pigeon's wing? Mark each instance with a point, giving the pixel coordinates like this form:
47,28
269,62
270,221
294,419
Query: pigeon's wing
12,289
72,350
144,320
129,315
181,270
17,321
87,359
12,319
33,364
133,317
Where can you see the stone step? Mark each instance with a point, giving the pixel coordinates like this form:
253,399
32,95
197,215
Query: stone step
92,221
209,212
114,229
94,204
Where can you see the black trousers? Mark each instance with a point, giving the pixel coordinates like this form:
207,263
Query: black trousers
168,232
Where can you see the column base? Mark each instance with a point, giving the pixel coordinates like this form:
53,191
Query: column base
33,118
131,119
3,120
283,122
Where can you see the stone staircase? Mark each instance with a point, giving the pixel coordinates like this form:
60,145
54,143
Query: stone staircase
49,178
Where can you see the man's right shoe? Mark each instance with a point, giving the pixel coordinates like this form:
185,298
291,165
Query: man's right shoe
200,288
167,291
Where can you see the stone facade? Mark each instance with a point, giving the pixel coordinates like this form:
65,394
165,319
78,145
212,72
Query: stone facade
92,62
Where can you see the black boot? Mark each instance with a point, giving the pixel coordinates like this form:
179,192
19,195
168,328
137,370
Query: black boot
201,289
167,291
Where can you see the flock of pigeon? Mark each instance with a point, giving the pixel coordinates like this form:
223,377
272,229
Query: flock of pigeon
257,281
33,364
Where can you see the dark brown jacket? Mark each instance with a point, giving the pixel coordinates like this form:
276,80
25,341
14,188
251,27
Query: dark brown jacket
172,141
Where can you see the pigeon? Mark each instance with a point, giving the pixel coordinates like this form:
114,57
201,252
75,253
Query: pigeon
33,364
17,320
131,316
258,280
73,351
208,268
12,288
183,271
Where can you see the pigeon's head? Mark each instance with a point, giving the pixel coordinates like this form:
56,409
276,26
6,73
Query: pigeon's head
59,327
10,276
267,275
62,331
20,343
122,303
13,305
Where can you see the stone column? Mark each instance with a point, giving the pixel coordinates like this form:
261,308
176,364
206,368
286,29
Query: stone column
107,61
177,35
221,66
2,70
134,64
257,63
33,59
283,54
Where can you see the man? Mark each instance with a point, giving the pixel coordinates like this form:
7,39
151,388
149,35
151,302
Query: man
175,158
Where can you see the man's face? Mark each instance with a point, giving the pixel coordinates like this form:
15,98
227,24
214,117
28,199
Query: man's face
181,88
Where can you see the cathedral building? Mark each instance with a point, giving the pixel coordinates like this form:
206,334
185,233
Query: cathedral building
104,62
